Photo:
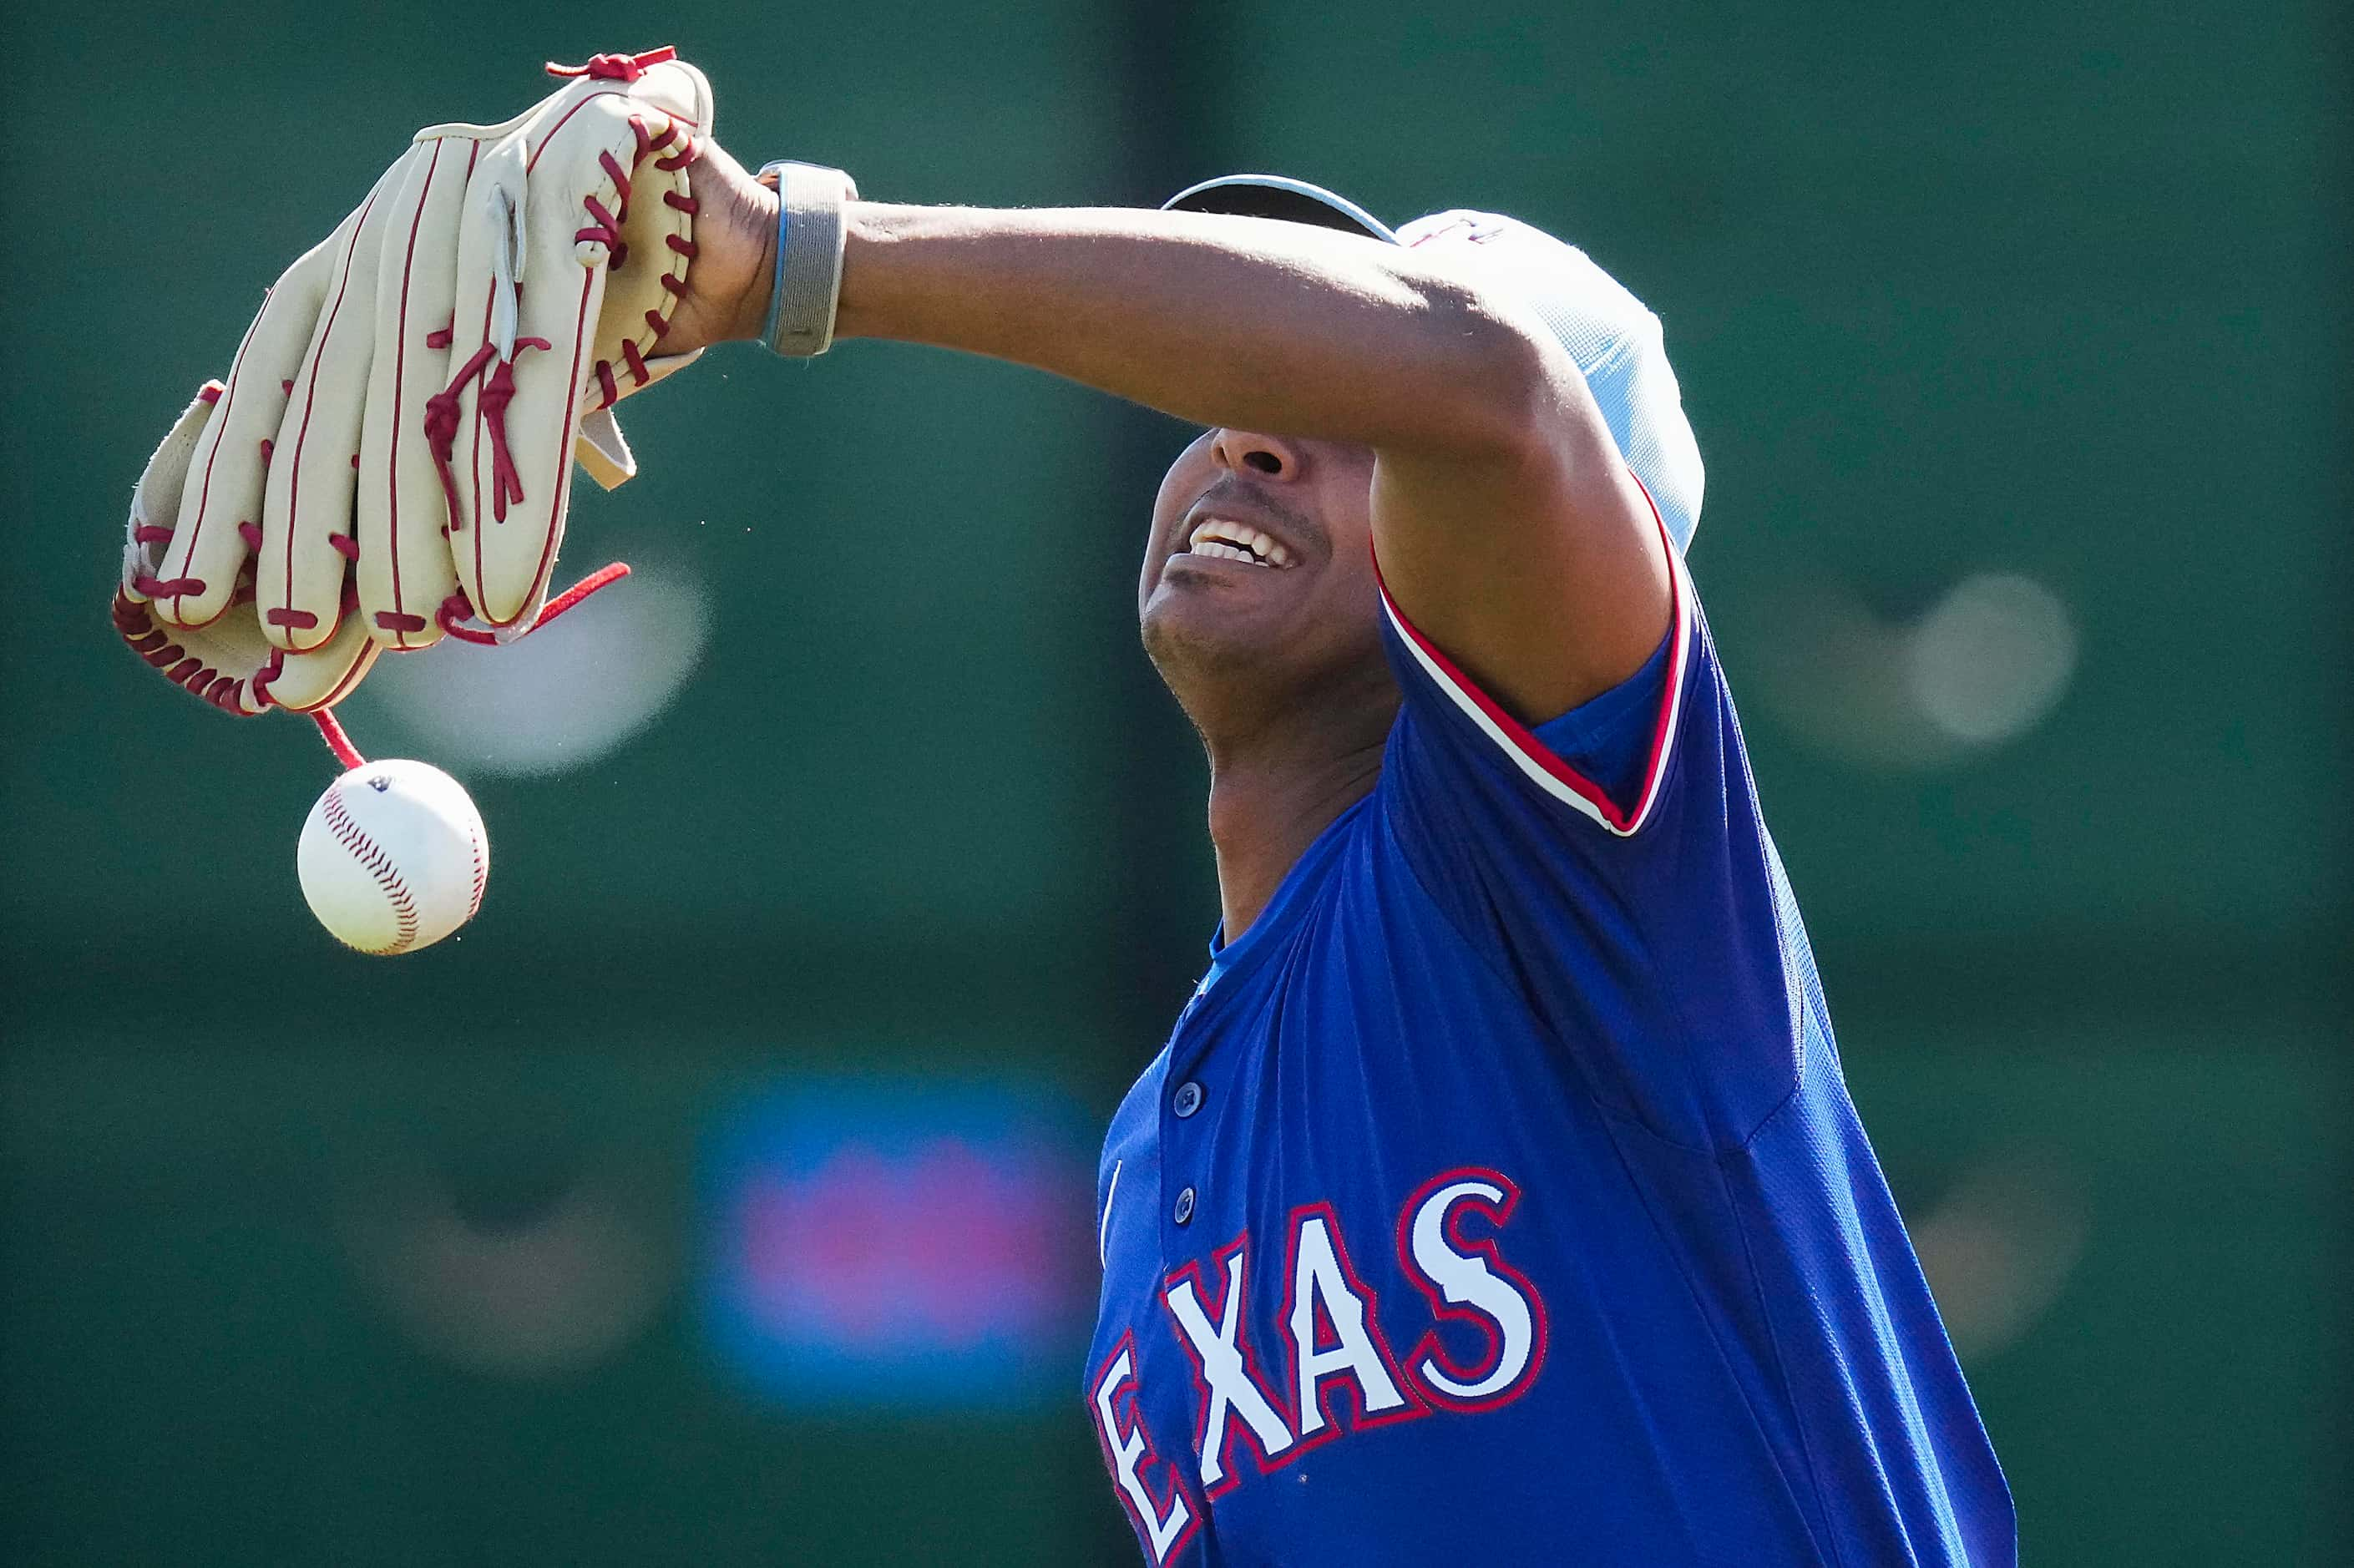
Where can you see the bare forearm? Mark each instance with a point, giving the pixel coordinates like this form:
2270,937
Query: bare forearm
1220,321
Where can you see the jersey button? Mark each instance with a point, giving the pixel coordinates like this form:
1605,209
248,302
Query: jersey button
1189,1098
1184,1210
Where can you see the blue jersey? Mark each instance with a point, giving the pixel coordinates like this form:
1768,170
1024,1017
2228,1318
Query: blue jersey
1497,1199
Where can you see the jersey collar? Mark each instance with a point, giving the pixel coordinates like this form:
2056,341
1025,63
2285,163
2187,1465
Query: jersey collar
1294,896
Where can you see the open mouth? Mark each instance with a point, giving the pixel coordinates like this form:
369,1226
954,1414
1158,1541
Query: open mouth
1224,539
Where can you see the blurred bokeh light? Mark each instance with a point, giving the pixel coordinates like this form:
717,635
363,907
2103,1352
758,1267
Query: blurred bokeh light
910,1245
558,699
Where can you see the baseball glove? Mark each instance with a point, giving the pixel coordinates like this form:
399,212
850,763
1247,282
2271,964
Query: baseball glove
386,461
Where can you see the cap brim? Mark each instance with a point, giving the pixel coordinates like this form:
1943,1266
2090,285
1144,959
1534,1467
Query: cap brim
1280,197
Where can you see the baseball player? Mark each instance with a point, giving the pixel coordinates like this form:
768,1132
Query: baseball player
1497,1198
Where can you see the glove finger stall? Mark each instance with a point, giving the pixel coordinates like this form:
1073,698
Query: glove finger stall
603,161
402,518
304,562
227,662
218,509
512,450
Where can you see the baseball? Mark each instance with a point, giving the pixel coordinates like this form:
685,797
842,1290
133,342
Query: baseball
394,857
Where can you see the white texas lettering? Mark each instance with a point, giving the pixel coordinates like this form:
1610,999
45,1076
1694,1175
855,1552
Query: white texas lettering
1446,1239
1468,1281
1129,1450
1217,1350
1322,1286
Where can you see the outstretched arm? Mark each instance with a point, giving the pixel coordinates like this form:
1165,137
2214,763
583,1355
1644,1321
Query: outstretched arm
1506,523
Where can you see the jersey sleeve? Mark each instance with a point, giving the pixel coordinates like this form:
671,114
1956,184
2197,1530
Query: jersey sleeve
1614,865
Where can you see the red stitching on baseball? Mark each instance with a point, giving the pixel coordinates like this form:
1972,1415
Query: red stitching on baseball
481,852
378,864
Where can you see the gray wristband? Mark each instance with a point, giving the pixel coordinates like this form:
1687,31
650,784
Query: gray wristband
810,237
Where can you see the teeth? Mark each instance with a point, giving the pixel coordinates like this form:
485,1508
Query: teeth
1230,540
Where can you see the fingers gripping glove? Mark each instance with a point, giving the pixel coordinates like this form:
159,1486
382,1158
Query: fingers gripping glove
387,461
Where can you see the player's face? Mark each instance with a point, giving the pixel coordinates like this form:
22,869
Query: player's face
1260,565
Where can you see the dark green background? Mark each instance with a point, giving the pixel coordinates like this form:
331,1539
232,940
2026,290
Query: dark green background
2053,290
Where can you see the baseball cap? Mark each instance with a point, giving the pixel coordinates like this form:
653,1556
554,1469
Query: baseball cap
1615,341
1278,195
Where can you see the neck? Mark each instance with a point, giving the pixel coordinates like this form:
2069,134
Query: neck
1273,790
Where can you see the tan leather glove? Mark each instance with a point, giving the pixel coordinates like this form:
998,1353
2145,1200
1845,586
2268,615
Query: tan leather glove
388,458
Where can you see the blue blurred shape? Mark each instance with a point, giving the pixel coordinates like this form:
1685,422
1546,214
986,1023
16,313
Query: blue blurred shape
885,1243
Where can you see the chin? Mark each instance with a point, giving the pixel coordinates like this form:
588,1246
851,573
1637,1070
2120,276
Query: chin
1207,645
1189,634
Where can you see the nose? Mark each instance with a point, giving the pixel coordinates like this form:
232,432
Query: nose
1270,456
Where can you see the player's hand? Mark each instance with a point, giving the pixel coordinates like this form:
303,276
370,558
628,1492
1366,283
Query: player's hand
736,246
389,458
